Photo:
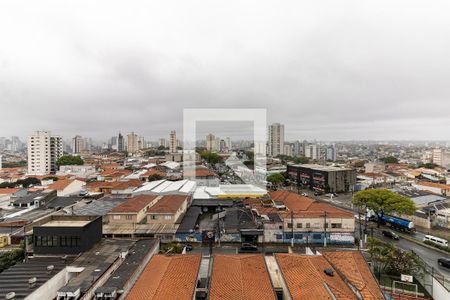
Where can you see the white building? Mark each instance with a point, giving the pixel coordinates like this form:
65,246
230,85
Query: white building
276,139
312,151
44,150
331,153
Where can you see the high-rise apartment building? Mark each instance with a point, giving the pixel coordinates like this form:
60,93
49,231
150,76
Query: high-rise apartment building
162,142
44,150
331,153
173,142
78,144
228,142
211,142
120,143
312,151
132,143
276,139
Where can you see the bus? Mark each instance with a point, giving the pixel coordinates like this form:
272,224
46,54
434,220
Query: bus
436,240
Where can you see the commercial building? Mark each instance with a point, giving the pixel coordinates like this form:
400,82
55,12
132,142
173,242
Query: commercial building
59,234
276,139
323,179
44,149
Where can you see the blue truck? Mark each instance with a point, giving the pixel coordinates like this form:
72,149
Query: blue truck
398,223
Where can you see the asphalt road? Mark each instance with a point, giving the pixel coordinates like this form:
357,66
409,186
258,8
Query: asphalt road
430,256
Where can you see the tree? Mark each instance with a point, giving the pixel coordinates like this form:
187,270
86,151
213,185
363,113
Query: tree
389,160
54,178
393,260
155,177
276,178
211,157
67,160
10,258
383,201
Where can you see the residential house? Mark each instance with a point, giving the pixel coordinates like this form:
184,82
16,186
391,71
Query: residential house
132,211
67,187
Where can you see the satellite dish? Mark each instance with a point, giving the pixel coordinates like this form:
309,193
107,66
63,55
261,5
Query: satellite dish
10,295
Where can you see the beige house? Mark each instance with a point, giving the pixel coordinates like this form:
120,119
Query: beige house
132,211
167,209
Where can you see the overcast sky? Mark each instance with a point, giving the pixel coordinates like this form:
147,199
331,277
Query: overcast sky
328,70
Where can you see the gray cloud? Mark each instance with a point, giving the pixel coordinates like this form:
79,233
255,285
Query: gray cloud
328,70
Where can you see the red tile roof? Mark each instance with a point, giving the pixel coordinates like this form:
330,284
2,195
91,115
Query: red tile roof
240,277
292,201
306,280
434,185
8,191
60,184
307,207
167,278
352,266
168,204
135,204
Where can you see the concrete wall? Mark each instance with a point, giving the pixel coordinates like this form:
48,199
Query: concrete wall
51,287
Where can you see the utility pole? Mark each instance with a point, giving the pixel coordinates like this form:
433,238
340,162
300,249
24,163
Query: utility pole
292,228
325,231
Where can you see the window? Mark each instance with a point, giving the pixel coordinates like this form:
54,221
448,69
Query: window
298,236
288,236
154,217
289,225
116,217
279,236
129,217
308,225
299,225
336,225
317,236
167,217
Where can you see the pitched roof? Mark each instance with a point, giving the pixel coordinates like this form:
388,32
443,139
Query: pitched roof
435,185
168,204
240,277
61,184
123,185
305,278
292,201
167,278
352,266
307,207
135,204
8,191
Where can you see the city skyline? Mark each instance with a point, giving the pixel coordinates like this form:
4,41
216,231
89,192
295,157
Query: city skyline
365,73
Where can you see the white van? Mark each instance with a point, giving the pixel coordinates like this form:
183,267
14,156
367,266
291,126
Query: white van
436,240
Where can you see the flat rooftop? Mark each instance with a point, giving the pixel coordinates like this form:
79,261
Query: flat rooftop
66,223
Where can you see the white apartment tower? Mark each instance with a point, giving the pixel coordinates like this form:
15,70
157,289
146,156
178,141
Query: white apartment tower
44,150
276,139
173,142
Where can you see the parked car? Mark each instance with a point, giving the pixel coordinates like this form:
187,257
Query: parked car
444,262
248,247
390,234
188,247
